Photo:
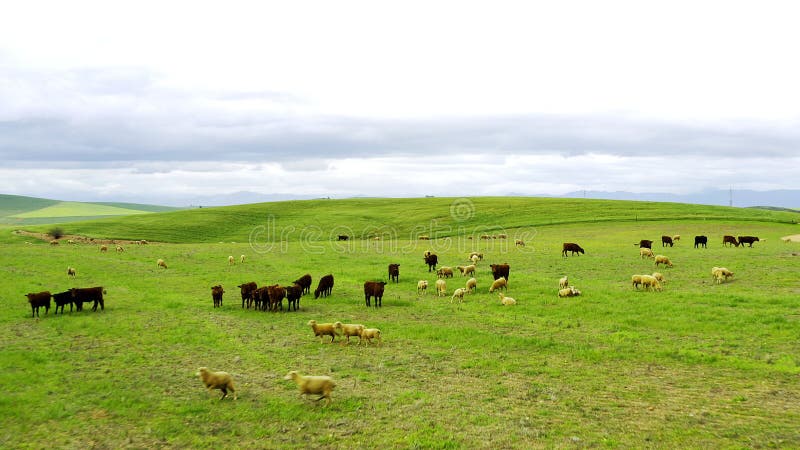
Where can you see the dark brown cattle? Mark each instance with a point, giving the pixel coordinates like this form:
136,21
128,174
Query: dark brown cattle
260,298
747,240
431,260
247,292
216,295
343,237
86,295
374,289
61,299
644,243
38,300
325,286
293,294
276,295
575,248
500,270
701,240
666,240
305,283
394,272
730,240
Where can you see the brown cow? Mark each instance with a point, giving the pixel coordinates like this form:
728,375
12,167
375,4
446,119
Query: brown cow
260,298
575,248
38,300
730,240
86,295
374,289
293,294
394,272
247,292
276,295
500,270
747,240
216,295
325,286
305,283
431,260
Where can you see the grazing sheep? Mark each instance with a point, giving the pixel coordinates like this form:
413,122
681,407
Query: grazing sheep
71,271
458,293
349,329
216,295
241,259
499,283
569,292
422,287
659,276
506,301
323,329
563,282
161,263
424,238
661,259
54,242
441,288
103,248
502,236
231,261
120,248
467,270
649,282
70,241
472,285
475,260
519,243
721,274
308,384
367,334
676,238
217,380
445,272
646,253
636,280
478,254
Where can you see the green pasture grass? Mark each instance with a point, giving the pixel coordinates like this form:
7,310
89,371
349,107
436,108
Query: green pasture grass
16,204
71,209
696,365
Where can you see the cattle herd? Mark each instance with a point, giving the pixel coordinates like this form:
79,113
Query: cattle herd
76,296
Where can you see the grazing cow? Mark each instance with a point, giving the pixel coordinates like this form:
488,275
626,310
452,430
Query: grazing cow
747,240
293,294
86,295
247,292
38,300
305,283
500,270
61,299
701,240
276,294
666,240
431,260
424,238
730,240
394,272
571,247
343,237
374,289
646,243
325,286
216,295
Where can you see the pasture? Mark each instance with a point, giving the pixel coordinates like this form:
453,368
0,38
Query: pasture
696,365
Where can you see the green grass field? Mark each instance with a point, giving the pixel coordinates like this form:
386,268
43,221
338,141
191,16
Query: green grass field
19,210
698,365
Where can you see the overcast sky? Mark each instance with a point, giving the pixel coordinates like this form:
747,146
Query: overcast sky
166,102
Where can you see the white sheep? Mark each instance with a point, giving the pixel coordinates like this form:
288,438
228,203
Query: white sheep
467,270
458,293
71,271
349,329
445,272
478,254
721,274
519,243
646,253
161,263
231,261
676,238
636,280
103,248
499,283
441,288
367,334
217,380
422,287
241,259
475,260
661,259
569,292
472,285
563,282
120,248
506,301
659,276
323,329
649,282
309,384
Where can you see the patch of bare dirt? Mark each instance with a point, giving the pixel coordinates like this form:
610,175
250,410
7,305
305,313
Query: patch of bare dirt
76,239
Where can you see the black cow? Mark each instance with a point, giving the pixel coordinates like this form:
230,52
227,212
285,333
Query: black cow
431,260
571,247
305,283
701,240
394,272
747,240
325,286
86,295
61,299
343,237
645,243
374,289
500,270
216,295
293,294
666,240
38,300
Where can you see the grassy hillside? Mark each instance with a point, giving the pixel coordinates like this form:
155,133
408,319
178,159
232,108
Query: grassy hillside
398,218
21,210
11,205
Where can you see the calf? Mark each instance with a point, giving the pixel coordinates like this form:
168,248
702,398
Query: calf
574,248
730,240
61,299
293,294
216,295
431,260
85,295
394,272
38,300
305,283
374,289
276,294
701,240
260,298
666,240
247,292
500,270
325,286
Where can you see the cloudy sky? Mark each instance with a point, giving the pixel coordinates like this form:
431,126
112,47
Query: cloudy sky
170,102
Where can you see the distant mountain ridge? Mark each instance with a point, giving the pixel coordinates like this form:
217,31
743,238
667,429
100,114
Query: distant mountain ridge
787,198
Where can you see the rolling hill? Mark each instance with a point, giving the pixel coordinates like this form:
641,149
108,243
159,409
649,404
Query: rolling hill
20,210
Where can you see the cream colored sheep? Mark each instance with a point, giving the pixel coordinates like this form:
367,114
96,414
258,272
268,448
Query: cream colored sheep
569,292
217,380
478,254
676,238
161,263
458,293
721,274
636,280
241,259
659,276
367,334
231,261
318,385
120,248
349,329
499,283
441,288
475,260
103,248
646,253
472,285
519,243
323,329
563,282
70,241
445,272
71,271
649,282
661,259
54,242
506,301
466,270
422,287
